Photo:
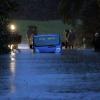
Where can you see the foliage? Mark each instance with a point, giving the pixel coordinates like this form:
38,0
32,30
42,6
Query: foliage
86,11
6,7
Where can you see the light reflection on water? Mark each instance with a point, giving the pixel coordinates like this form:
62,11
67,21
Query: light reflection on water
7,73
13,71
13,63
12,67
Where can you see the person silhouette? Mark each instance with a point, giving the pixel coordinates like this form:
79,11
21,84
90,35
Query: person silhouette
71,39
32,30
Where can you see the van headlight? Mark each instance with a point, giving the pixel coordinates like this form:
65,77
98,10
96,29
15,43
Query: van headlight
58,49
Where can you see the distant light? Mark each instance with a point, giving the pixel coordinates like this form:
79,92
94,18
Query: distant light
12,27
11,46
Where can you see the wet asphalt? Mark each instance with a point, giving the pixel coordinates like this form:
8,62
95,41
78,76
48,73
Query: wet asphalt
72,75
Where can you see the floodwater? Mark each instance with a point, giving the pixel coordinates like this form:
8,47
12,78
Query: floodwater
72,75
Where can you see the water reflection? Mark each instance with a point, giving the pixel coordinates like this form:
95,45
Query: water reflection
12,67
7,73
12,71
13,63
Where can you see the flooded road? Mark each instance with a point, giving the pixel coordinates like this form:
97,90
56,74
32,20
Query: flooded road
72,75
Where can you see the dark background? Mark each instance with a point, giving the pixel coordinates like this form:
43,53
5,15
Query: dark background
37,10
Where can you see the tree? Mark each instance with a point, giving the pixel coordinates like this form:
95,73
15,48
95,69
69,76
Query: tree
87,11
6,7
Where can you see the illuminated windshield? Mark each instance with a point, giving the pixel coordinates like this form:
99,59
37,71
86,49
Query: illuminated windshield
47,40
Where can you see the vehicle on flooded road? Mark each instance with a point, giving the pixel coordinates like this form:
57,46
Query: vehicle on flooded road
47,43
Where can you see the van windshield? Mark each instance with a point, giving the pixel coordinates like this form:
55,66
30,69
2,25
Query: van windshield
47,40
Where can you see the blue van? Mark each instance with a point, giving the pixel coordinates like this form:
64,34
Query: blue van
47,43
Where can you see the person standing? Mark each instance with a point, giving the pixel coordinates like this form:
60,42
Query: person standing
97,41
66,41
71,39
32,30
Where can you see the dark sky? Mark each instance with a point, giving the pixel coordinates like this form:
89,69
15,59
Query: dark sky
37,10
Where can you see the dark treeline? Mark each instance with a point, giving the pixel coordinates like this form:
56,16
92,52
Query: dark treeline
87,11
37,10
82,15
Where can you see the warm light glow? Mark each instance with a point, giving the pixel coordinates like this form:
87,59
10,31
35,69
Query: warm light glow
11,46
12,27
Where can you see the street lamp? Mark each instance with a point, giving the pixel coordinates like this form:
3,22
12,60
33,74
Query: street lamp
12,28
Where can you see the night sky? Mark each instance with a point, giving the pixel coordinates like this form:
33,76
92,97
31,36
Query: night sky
37,10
